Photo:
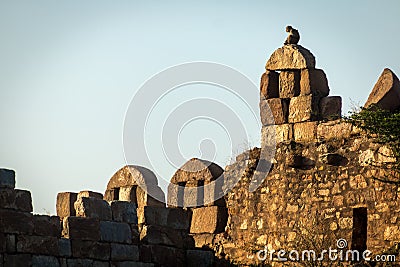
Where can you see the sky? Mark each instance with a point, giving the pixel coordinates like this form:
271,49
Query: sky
70,69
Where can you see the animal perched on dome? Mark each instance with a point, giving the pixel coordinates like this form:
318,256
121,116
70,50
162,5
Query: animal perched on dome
293,37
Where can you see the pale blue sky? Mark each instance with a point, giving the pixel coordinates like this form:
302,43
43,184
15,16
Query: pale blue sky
69,69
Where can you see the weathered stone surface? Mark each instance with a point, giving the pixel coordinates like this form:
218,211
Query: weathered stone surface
124,252
124,211
133,264
93,208
128,193
79,263
305,131
386,92
20,260
46,245
15,199
90,249
46,225
2,243
65,204
330,107
163,255
7,178
334,129
132,175
269,85
282,133
289,84
203,240
151,195
44,261
290,57
208,220
199,258
153,215
111,194
159,235
277,113
214,194
179,218
15,222
197,169
115,232
64,246
303,108
11,243
81,228
314,81
88,193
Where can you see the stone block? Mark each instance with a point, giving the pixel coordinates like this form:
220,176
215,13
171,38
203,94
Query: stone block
193,194
163,255
269,85
386,92
203,240
133,264
128,193
120,252
214,194
11,243
275,134
330,107
314,81
46,225
64,246
15,222
303,108
277,113
44,261
65,204
88,193
46,245
291,57
111,194
90,249
158,235
101,264
81,228
132,175
208,220
199,258
153,215
124,211
3,243
152,195
179,219
289,84
15,199
305,131
7,178
334,130
79,263
20,260
117,232
93,208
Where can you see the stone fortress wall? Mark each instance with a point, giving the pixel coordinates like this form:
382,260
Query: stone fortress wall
321,185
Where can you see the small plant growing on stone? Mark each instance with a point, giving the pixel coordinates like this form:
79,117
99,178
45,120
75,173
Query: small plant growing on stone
384,127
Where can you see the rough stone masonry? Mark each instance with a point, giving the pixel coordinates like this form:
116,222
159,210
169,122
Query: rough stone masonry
322,187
